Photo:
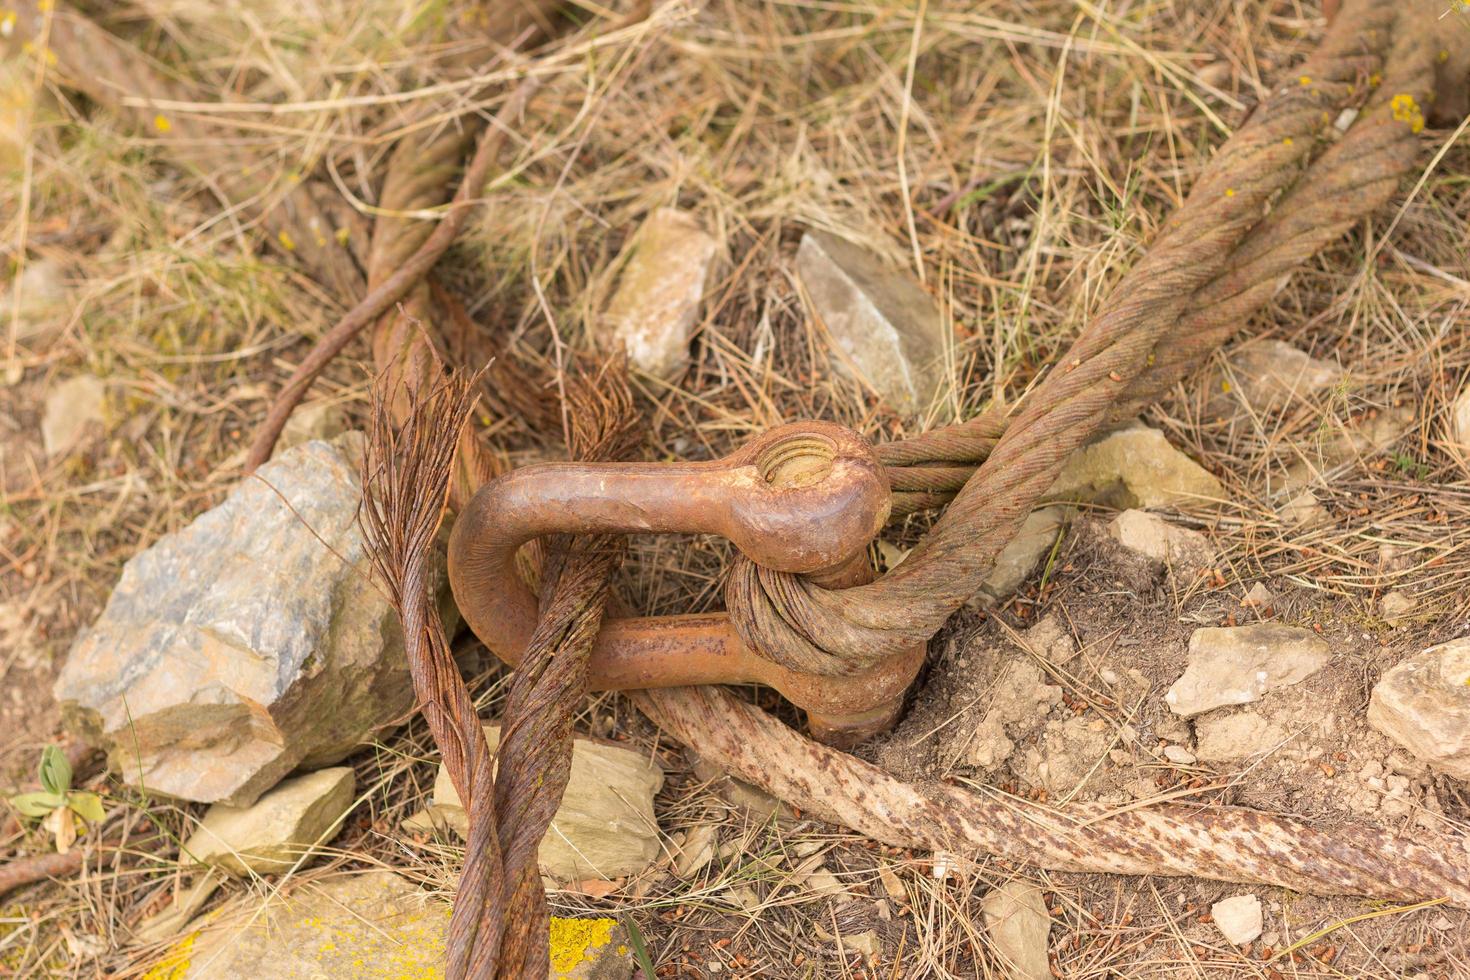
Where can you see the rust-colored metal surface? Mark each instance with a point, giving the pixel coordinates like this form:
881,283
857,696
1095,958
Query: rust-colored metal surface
805,498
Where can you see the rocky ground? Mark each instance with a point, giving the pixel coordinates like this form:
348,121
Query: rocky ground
1254,595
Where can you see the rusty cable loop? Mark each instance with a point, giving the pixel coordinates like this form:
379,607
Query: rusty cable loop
803,626
1214,263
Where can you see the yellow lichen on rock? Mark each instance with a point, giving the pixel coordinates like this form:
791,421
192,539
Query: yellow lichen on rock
573,939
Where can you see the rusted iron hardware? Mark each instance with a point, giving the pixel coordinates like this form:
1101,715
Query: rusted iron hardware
805,498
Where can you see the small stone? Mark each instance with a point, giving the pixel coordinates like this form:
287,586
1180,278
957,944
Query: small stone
667,267
1134,467
865,944
604,827
1236,665
250,643
990,746
758,805
73,409
1265,376
322,420
1156,538
1441,922
697,850
1395,607
1423,705
1259,597
1238,918
1460,423
893,884
1347,442
40,309
1271,939
1226,738
1021,556
1304,510
1050,639
825,883
885,326
1179,755
276,832
1018,924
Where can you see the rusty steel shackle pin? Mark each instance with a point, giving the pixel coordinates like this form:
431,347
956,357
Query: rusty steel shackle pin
806,498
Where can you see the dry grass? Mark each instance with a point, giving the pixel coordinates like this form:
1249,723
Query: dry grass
1015,156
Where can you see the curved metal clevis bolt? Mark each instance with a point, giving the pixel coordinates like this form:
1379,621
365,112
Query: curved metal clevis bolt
805,498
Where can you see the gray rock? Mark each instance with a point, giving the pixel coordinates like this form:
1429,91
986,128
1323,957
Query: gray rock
604,827
276,832
1238,664
1238,918
1134,467
886,327
73,409
1423,704
1156,538
1227,738
246,645
374,924
1265,376
1023,554
666,269
1019,926
1179,755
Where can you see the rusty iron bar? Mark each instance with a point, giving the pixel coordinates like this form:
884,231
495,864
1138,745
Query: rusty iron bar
804,498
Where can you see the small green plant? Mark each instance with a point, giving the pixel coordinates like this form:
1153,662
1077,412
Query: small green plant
1409,466
56,804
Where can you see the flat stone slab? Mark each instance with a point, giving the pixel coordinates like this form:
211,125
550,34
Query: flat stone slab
372,926
276,832
1134,467
1237,664
605,826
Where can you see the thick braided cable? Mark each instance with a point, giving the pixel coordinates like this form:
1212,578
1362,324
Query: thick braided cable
805,627
1354,176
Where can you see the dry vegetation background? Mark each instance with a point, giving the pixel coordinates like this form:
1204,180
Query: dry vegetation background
1016,156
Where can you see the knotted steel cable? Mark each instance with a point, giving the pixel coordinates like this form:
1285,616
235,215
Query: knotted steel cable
1228,244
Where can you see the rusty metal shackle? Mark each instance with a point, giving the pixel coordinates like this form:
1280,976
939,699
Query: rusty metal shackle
805,498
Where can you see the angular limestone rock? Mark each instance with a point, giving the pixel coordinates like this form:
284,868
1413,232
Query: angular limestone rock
1018,924
73,410
885,326
1266,376
247,644
274,834
1423,704
604,827
667,267
1156,538
1238,918
372,925
1238,664
1134,467
1024,553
